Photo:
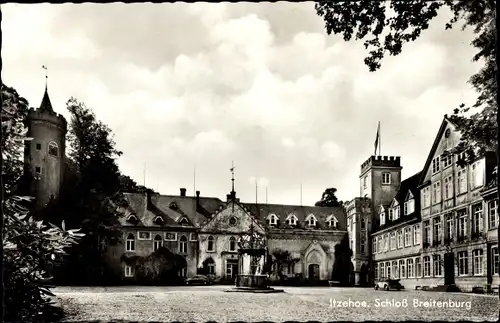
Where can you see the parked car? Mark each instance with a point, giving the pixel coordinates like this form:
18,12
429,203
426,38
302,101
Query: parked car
199,280
388,284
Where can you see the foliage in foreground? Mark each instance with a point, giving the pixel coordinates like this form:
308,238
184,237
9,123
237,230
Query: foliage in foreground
342,266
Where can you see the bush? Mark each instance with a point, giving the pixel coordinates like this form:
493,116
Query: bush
30,250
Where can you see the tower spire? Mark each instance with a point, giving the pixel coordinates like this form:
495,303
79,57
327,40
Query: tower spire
46,106
233,193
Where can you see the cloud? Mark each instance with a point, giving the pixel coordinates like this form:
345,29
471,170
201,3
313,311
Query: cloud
199,85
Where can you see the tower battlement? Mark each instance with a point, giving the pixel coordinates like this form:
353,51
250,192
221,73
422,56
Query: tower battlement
54,118
381,161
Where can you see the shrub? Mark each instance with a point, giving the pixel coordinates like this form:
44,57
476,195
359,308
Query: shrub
30,250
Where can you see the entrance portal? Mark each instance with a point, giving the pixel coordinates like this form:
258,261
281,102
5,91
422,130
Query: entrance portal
314,272
231,269
449,268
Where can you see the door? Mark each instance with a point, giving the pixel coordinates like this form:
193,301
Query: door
314,272
231,269
449,268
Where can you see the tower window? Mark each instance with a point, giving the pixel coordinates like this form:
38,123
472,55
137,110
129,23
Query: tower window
38,169
53,149
386,178
38,146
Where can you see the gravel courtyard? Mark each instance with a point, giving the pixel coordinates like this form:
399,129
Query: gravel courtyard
211,303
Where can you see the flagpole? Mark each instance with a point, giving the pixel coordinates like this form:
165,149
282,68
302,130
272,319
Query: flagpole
379,140
301,194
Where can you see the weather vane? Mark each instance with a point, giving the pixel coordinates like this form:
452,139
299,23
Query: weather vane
46,76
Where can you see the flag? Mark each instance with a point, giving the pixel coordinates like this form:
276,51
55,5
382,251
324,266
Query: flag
377,139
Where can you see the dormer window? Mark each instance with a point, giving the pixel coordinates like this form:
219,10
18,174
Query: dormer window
311,220
396,212
272,219
382,218
184,221
158,220
132,218
292,220
391,214
173,206
332,222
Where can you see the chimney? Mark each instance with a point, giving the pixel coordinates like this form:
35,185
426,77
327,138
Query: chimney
183,192
197,197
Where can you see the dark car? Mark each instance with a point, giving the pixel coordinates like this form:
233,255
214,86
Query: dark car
199,280
388,284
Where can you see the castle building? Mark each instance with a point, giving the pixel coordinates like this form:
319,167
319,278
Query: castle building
45,156
439,227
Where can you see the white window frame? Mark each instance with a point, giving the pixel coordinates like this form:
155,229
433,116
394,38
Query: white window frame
448,187
185,220
174,238
437,266
417,239
418,267
395,269
273,219
437,228
158,218
379,241
427,232
130,243
463,263
211,268
436,192
447,161
193,237
436,165
139,237
450,227
402,268
407,237
157,244
477,262
426,197
382,218
399,238
386,242
476,175
462,223
390,212
393,241
410,268
386,178
382,271
183,245
477,218
292,219
493,214
129,271
461,181
495,261
427,266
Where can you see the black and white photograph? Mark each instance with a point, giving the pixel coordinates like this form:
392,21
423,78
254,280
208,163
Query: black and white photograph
239,161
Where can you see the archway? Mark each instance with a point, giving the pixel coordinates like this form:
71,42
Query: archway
313,271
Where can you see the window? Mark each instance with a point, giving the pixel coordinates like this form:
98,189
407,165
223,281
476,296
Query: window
494,260
426,198
407,237
232,221
158,220
38,170
362,246
129,271
386,242
391,214
375,241
375,271
477,218
332,222
379,241
416,234
462,224
409,264
447,160
477,258
211,246
400,239
476,175
438,266
405,208
461,181
382,271
144,235
130,243
157,243
418,268
436,192
184,221
38,146
427,266
292,220
171,236
365,183
363,223
393,240
382,218
232,244
183,244
192,236
493,214
450,228
448,187
462,263
402,269
435,165
386,178
395,269
427,233
53,149
388,269
312,220
211,268
437,231
272,220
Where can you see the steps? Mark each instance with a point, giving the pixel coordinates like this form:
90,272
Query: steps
444,288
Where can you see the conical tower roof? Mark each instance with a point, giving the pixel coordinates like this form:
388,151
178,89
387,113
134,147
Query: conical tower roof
46,106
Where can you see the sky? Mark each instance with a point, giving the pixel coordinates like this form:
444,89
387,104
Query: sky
189,88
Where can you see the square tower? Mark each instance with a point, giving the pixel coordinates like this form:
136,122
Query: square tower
380,179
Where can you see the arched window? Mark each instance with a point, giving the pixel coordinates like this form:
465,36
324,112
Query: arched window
183,245
232,244
130,245
184,221
158,242
210,246
53,149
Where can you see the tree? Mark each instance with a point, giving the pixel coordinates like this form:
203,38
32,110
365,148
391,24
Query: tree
382,33
342,266
329,199
282,258
29,247
128,185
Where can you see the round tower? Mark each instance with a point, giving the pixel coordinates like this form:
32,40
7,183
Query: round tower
44,155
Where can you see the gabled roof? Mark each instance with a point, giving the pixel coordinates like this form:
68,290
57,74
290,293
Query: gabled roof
442,128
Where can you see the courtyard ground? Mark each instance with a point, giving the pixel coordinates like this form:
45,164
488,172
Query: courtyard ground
211,303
